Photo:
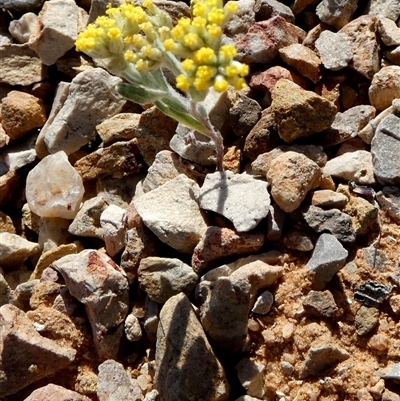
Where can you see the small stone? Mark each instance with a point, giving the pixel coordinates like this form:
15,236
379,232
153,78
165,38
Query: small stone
6,224
366,319
383,9
14,250
6,293
183,354
334,49
352,166
389,32
266,9
219,243
23,293
151,318
327,259
230,187
8,184
390,396
292,175
115,383
44,294
320,303
393,372
132,328
60,194
21,29
238,23
290,103
275,223
55,392
385,87
112,220
335,12
326,198
389,201
263,303
163,278
121,127
394,302
299,241
303,60
250,375
171,211
244,114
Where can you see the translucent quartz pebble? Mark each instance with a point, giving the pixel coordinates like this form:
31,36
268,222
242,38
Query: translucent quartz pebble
54,188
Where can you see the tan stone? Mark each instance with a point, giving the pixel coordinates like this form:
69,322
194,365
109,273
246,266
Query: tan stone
6,224
385,87
121,127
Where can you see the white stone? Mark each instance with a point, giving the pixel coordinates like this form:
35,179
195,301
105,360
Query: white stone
21,29
132,328
389,32
54,188
263,303
112,221
223,193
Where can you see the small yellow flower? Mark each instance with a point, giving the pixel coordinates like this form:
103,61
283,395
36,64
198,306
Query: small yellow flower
230,7
141,65
114,33
204,55
200,84
169,45
221,85
182,82
199,10
191,40
129,56
227,51
214,30
216,16
188,65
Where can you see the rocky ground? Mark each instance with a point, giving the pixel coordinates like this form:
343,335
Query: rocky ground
131,270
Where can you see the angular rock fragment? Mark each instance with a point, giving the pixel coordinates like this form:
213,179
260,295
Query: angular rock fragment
383,9
6,293
244,114
385,87
183,355
121,127
14,250
97,282
112,221
263,303
250,374
266,9
26,356
366,319
320,303
132,328
335,12
55,392
20,29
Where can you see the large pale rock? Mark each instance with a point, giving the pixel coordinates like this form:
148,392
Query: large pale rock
336,12
57,28
20,65
26,356
292,175
96,281
240,21
14,250
389,32
223,193
186,366
172,212
385,87
54,392
60,193
290,103
84,108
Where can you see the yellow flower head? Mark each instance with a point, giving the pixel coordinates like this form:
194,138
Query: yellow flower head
204,55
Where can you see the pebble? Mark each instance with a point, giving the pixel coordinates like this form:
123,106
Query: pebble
20,29
183,355
112,221
266,9
298,241
163,278
55,392
393,372
326,198
334,50
365,320
223,193
320,303
384,8
115,384
132,328
121,127
250,375
327,259
27,356
263,303
385,87
389,32
61,194
275,223
172,213
336,13
97,282
239,23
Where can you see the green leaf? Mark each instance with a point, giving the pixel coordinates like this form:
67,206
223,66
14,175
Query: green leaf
140,94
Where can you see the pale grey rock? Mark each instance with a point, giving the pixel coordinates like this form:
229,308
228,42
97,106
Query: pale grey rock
84,108
385,87
26,356
390,396
14,250
240,21
263,303
60,194
53,232
275,223
59,23
171,211
21,29
383,8
352,166
115,384
6,293
112,221
327,259
366,319
55,392
334,49
389,32
389,201
163,278
333,221
223,193
225,302
392,372
385,148
20,65
320,303
97,282
323,354
21,5
132,328
87,221
336,12
266,9
183,355
250,375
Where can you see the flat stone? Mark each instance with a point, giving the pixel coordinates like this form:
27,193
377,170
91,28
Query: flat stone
223,193
183,354
112,221
60,194
84,108
336,13
334,49
385,148
115,383
366,319
244,114
326,198
21,113
298,241
20,65
362,35
163,278
303,60
26,356
291,176
14,250
352,166
97,282
171,211
385,87
290,103
320,303
250,375
327,259
220,243
55,392
389,32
